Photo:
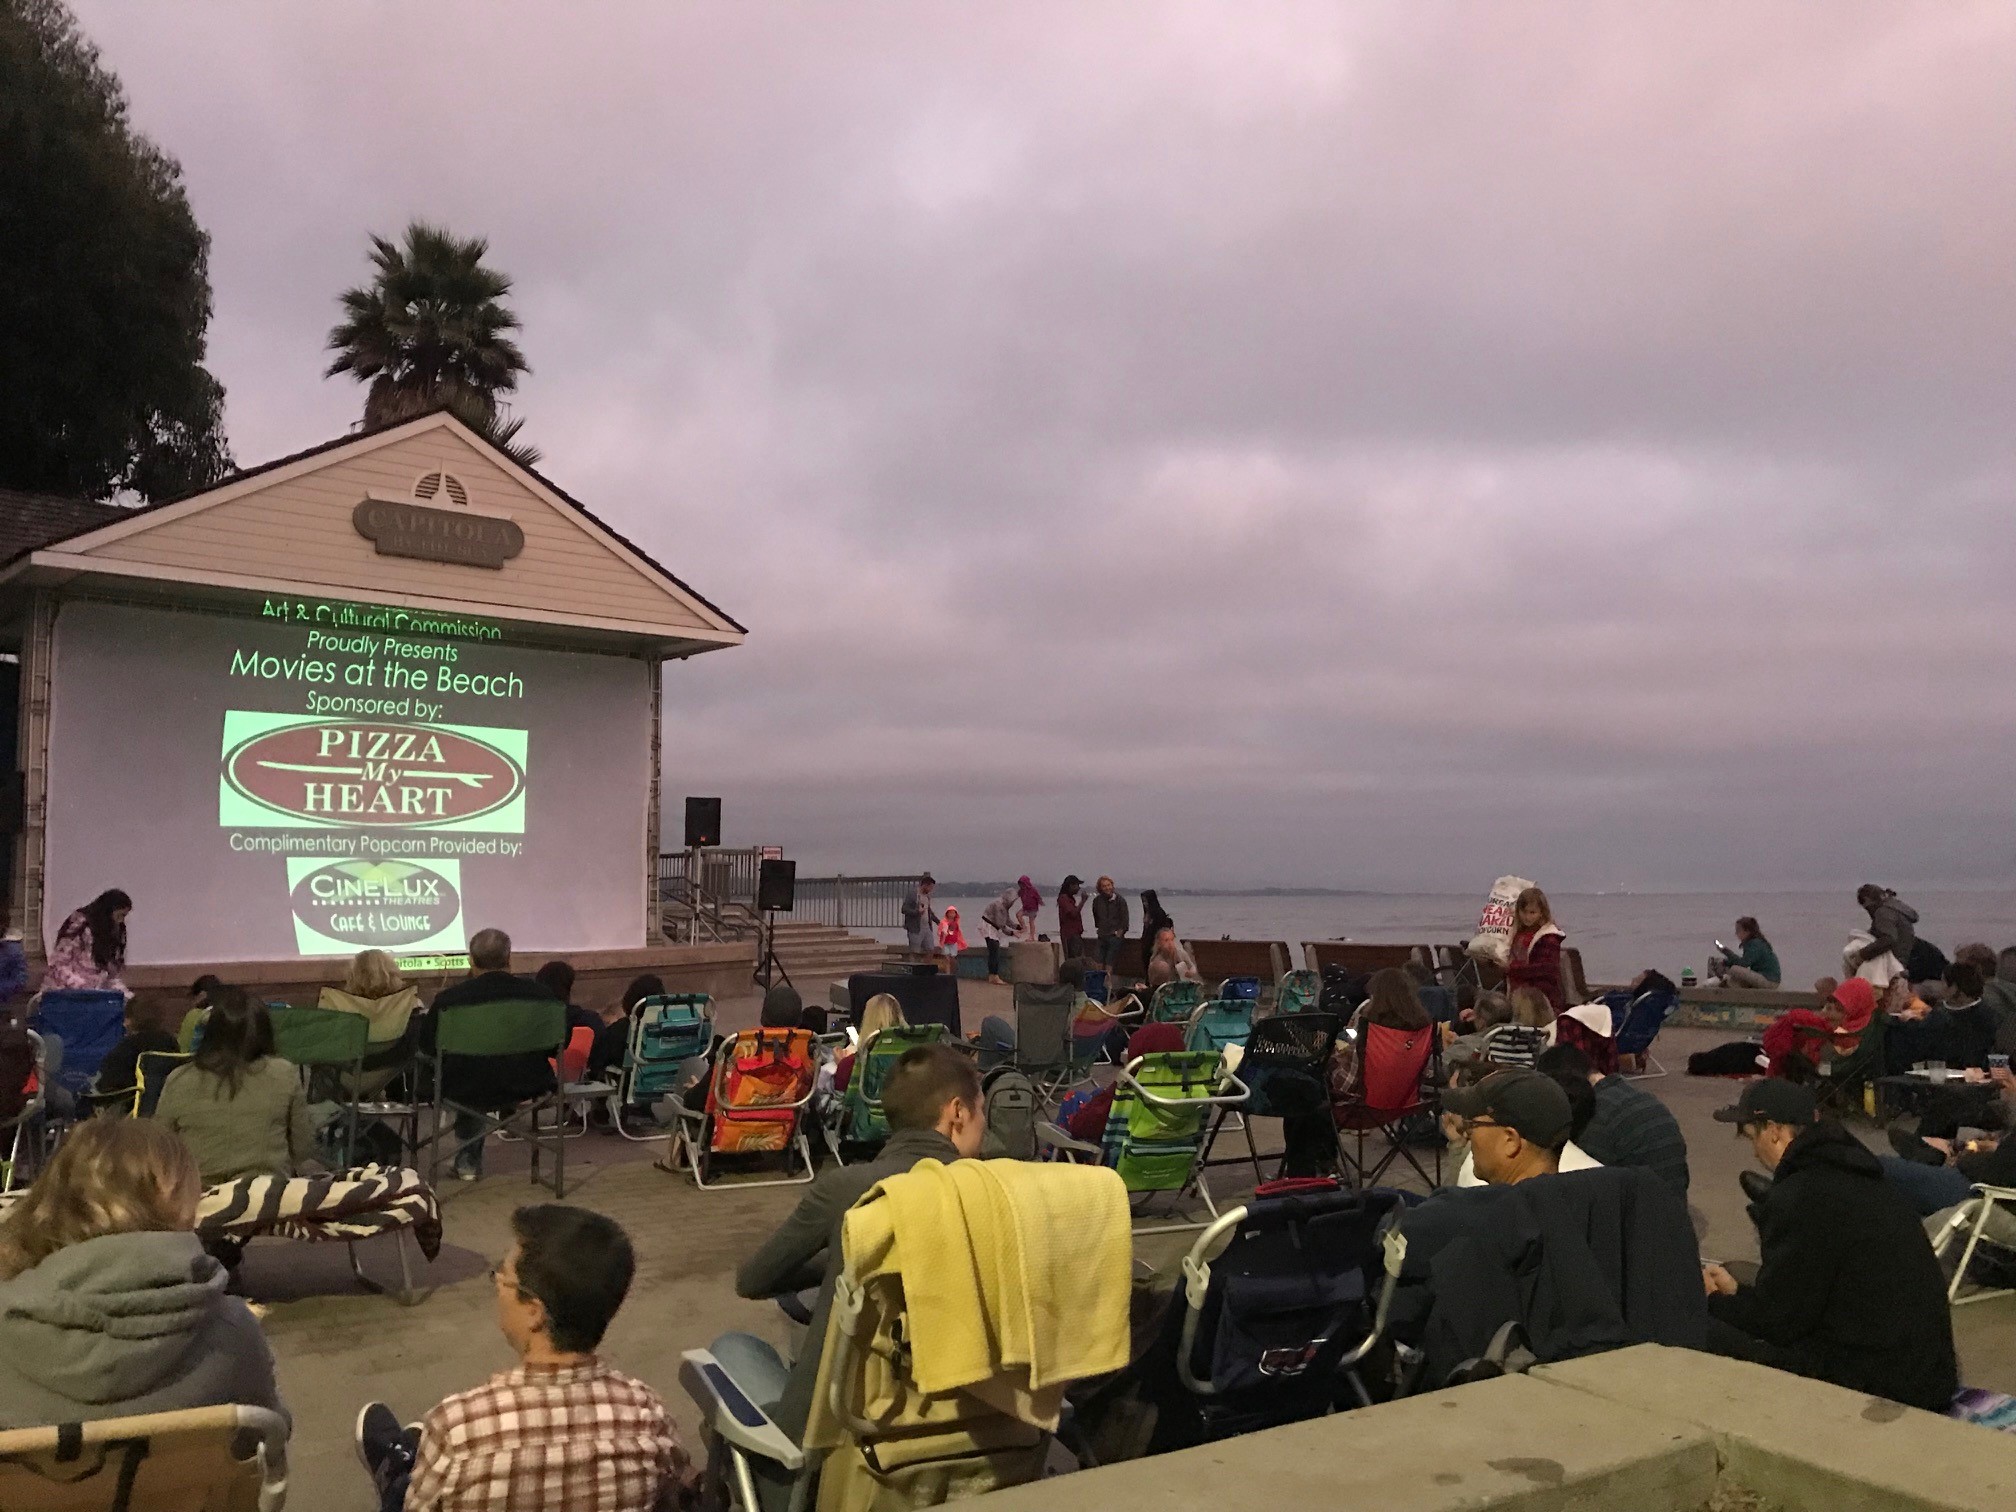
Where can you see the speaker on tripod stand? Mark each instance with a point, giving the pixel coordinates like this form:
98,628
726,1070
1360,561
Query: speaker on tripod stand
776,890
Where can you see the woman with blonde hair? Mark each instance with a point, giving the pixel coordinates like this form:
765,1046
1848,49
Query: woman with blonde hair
880,1012
108,1305
374,988
1536,950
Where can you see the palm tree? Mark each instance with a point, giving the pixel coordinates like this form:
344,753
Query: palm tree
431,329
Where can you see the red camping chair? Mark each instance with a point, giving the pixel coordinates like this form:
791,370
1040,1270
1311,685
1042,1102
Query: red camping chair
757,1097
1391,1063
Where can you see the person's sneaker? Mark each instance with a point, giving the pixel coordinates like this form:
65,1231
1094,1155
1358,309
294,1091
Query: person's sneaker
1907,1144
381,1442
468,1170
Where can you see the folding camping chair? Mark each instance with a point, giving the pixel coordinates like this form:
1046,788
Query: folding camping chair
1298,992
1174,1002
1987,1217
857,1117
1043,1039
1843,1075
21,1064
1155,1132
89,1023
1242,988
1391,1065
1282,1299
184,1461
1638,1024
507,1026
757,1099
667,1034
1220,1023
1286,1069
333,1043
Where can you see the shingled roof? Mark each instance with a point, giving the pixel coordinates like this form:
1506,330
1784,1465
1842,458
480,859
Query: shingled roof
29,520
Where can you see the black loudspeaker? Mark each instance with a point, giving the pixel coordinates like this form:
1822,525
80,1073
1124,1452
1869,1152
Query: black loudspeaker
776,884
703,822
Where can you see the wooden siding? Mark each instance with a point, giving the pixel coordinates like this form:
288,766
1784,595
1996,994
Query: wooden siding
298,530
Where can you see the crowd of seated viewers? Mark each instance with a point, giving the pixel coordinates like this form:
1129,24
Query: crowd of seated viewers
1847,1289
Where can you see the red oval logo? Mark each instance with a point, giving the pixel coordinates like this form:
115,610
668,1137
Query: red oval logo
385,775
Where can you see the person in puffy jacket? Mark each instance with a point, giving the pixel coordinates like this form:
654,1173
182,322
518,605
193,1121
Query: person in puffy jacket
108,1305
1536,950
1893,925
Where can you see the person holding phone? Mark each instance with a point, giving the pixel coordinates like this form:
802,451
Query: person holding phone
1753,963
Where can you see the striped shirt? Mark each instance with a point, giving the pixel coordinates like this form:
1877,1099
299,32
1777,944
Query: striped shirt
544,1437
1631,1127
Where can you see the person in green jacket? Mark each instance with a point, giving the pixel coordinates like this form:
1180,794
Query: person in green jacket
1753,963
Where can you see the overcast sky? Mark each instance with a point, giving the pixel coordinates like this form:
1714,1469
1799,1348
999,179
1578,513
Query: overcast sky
1375,445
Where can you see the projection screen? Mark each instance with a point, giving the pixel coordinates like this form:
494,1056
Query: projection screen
314,779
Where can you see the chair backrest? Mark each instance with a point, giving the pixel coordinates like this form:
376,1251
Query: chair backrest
1574,981
90,1024
1390,1063
1241,988
1220,1023
1299,992
1174,1002
666,1034
1643,1017
1156,1128
1287,1063
154,1067
164,1462
762,1080
507,1026
20,1065
1514,1045
874,1061
190,1034
1043,1015
1094,986
319,1036
574,1054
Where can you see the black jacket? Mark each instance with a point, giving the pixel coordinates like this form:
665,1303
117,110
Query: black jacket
1848,1290
1584,1262
489,1081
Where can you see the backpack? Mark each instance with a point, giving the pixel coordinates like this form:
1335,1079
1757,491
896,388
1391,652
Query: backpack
1012,1108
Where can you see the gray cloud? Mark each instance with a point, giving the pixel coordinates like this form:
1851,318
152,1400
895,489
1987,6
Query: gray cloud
1380,446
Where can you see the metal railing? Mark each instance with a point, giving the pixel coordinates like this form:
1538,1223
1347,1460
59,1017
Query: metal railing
712,897
853,902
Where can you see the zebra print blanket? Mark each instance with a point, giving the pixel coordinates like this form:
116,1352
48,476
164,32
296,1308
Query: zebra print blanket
355,1205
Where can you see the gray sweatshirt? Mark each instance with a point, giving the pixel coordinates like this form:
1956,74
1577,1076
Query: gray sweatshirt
127,1324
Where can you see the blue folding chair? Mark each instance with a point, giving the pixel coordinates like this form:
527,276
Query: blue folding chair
1094,986
1243,988
667,1034
1220,1023
1638,1024
88,1023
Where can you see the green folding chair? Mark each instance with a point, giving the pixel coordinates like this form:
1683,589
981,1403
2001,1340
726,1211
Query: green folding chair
509,1026
858,1119
329,1047
1174,1002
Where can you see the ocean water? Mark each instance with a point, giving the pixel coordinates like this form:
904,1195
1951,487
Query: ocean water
1619,934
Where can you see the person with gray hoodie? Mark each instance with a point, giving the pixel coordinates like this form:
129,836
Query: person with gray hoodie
108,1305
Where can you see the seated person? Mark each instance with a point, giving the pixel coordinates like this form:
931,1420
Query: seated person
1934,1169
557,977
782,1009
1960,1031
561,1429
108,1305
241,1107
1628,1125
933,1102
880,1012
1170,961
1753,963
489,1082
373,987
119,1072
1848,1289
1391,1002
612,1040
1518,1121
1087,1119
1463,1036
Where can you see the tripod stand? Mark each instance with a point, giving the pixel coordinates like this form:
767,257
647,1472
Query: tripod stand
768,967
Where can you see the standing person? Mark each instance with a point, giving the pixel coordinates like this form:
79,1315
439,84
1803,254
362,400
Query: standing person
1848,1289
1109,921
1893,926
90,950
1753,963
1536,950
918,916
1154,919
951,936
561,1429
1011,916
1071,917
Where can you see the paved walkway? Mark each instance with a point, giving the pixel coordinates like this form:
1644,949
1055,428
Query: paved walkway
338,1346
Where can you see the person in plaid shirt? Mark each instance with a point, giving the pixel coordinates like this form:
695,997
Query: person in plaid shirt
562,1430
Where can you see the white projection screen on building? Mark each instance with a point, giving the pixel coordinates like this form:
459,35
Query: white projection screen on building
316,778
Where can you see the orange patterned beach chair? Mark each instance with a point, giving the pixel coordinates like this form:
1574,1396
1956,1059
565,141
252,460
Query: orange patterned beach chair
759,1097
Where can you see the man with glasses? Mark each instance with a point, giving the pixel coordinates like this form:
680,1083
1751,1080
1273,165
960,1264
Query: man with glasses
562,1429
1519,1122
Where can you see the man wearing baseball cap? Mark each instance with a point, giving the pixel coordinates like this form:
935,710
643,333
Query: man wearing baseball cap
1848,1289
1518,1122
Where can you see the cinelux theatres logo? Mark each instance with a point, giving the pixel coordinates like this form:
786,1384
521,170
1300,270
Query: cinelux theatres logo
345,906
282,771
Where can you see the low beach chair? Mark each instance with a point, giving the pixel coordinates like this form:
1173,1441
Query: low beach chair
1299,992
1639,1021
184,1461
758,1099
667,1034
1219,1024
1281,1301
1987,1217
857,1117
1174,1002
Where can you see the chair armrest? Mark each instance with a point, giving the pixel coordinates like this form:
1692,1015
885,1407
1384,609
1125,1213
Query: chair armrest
1054,1137
731,1413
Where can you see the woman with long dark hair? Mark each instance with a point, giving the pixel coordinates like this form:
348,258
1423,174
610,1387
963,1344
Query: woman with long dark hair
241,1107
1154,919
90,950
